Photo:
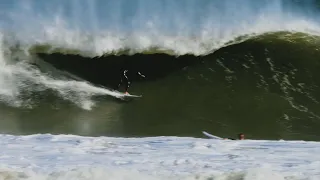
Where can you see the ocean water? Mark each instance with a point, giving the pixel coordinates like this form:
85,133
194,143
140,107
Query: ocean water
221,66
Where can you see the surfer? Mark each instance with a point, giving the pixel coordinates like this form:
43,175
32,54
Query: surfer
124,76
240,137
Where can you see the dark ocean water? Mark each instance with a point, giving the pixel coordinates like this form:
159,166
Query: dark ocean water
249,67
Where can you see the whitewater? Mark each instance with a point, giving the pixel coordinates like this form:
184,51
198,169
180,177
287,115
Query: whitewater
73,157
95,28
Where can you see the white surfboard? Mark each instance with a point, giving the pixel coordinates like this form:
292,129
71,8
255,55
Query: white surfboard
210,135
130,96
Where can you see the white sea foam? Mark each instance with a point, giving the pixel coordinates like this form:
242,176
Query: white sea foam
46,156
19,78
206,40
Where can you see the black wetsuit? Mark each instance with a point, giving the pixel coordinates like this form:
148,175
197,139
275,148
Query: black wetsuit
124,77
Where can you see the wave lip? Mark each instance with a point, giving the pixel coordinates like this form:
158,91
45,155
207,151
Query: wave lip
197,45
303,37
189,28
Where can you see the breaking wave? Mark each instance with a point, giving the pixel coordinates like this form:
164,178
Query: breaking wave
175,29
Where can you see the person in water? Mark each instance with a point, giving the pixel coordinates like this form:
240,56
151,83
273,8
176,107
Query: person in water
240,137
124,78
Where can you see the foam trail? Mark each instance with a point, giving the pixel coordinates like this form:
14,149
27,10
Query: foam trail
18,79
8,88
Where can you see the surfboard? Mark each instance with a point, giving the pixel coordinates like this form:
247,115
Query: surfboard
210,135
130,96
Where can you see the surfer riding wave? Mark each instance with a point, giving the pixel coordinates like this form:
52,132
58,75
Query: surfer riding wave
125,80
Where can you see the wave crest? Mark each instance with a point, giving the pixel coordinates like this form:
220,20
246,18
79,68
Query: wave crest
286,36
